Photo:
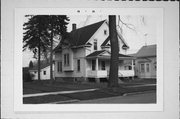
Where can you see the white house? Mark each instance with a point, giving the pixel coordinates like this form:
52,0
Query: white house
44,74
145,63
85,55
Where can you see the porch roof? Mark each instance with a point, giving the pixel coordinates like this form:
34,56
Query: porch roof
99,54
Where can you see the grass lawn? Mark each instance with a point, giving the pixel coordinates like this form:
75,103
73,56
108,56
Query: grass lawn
45,86
45,99
103,92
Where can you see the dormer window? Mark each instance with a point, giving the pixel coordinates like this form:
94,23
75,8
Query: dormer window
105,32
95,44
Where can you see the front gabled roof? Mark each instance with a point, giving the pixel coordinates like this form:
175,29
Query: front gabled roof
119,36
42,66
147,51
81,36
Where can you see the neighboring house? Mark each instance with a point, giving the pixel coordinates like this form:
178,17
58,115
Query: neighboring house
85,55
145,63
45,72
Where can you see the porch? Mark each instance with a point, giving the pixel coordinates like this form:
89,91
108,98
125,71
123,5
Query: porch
99,65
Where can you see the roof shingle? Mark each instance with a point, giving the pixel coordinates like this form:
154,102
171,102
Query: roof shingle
147,51
96,53
80,36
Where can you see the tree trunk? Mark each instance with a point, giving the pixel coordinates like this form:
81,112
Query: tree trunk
51,58
39,61
113,75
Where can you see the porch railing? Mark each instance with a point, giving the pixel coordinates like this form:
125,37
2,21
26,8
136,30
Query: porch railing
105,73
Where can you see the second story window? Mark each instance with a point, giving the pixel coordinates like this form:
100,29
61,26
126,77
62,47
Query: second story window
95,44
66,59
44,72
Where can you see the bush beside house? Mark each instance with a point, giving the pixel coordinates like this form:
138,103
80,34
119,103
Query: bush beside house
27,77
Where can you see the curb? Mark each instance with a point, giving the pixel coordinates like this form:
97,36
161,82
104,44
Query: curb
134,93
66,101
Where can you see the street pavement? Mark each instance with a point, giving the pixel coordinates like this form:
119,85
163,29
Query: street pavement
145,97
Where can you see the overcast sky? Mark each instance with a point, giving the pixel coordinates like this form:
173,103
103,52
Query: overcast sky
144,33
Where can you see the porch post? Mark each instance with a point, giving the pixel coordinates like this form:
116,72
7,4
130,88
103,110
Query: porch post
97,64
133,68
132,64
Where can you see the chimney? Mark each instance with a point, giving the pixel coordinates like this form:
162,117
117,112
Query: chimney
73,26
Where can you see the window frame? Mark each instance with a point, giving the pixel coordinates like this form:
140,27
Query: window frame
142,71
59,66
44,72
93,65
95,44
103,67
78,65
66,59
147,64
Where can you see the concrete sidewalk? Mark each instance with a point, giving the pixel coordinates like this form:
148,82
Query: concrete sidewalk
57,93
142,85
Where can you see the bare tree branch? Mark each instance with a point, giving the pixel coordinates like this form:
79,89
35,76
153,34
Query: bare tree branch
129,26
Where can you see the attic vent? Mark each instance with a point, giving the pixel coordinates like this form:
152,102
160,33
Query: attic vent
105,32
108,44
124,47
88,43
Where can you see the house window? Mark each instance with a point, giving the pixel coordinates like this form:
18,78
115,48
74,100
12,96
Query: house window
147,67
142,69
105,32
103,65
95,44
93,64
34,71
44,72
155,67
66,59
129,67
59,67
78,65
